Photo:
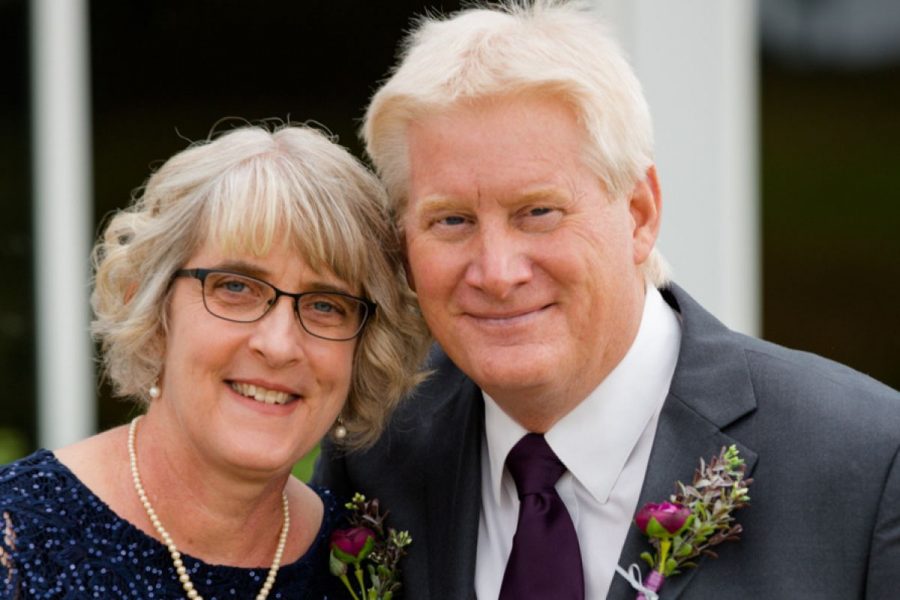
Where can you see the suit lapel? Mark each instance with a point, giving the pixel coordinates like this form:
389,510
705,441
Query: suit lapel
453,493
711,389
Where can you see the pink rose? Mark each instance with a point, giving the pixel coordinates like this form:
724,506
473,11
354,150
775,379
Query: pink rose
352,545
662,520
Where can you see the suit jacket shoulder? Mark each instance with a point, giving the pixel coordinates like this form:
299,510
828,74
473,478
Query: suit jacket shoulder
822,444
425,469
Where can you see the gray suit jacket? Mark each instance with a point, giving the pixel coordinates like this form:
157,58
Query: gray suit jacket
821,442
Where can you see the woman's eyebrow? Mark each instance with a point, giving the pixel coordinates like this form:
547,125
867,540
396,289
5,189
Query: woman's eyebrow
243,267
253,270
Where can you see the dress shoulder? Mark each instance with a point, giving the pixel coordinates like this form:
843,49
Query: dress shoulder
59,540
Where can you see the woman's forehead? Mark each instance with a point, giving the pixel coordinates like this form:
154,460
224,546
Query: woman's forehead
282,260
328,247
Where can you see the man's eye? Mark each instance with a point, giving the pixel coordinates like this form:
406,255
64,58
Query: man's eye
451,220
539,218
539,211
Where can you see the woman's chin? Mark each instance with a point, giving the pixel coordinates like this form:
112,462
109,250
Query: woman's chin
262,461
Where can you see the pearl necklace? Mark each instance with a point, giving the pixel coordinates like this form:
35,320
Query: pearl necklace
170,545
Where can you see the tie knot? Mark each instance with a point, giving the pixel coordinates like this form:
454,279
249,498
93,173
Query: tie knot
533,465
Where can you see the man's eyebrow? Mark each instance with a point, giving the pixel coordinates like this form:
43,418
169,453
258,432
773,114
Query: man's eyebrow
543,192
435,203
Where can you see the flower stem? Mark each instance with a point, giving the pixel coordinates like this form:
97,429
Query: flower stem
349,587
664,546
359,578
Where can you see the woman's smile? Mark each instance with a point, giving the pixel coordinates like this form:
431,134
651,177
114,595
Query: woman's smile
262,394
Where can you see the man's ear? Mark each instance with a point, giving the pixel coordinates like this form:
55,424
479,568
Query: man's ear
645,205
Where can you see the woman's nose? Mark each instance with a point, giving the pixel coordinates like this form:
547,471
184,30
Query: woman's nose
278,336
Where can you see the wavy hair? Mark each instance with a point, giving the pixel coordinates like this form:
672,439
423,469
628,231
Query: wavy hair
249,189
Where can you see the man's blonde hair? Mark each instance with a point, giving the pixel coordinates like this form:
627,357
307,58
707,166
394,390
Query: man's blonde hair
547,47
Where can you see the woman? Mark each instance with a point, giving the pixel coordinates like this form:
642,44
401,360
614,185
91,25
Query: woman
251,299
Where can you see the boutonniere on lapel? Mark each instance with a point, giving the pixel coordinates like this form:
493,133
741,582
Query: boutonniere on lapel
371,549
696,518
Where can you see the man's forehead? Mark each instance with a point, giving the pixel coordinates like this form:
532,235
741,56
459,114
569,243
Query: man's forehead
511,105
538,193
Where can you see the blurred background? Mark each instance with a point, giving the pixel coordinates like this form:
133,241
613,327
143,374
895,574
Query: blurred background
164,72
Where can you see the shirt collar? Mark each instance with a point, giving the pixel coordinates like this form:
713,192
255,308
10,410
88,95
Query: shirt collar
596,438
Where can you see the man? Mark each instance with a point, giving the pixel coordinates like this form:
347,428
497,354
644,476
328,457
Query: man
516,145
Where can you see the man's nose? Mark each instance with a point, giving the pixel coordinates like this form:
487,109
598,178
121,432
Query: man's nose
500,262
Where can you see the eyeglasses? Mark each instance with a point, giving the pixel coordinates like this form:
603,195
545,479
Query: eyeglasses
244,299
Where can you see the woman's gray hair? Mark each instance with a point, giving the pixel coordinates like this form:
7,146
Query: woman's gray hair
546,47
248,190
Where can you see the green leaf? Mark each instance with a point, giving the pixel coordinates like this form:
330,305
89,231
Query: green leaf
683,550
336,566
671,566
385,574
343,556
655,530
367,548
649,558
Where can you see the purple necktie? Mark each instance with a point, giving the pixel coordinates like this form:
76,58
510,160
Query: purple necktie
545,561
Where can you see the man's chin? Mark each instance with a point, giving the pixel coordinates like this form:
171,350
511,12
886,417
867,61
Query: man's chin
510,376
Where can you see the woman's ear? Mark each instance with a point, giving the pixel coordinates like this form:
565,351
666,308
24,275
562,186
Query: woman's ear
130,291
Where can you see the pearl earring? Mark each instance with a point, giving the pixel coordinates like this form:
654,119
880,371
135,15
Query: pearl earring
154,391
340,432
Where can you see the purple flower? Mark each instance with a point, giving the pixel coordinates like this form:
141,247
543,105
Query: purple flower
352,545
662,520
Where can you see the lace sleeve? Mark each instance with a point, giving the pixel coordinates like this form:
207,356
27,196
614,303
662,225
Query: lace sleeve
7,548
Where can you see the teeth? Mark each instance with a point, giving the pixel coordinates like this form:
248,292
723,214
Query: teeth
260,394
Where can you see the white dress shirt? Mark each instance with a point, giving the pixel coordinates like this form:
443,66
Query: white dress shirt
605,444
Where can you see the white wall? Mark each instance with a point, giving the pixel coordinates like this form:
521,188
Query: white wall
62,220
697,62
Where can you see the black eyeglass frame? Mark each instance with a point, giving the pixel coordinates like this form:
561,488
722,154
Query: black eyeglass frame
201,274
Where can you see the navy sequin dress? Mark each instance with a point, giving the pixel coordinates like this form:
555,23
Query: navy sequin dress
59,540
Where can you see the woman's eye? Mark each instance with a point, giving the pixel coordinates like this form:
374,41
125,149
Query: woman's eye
324,304
324,307
234,286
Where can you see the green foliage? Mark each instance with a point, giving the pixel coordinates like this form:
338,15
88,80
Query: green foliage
12,445
303,470
830,214
382,563
719,487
